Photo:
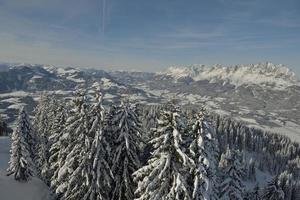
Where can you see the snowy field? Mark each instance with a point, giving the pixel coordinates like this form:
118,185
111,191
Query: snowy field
10,189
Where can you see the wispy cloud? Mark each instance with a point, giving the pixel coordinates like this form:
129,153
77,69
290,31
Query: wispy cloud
282,22
146,32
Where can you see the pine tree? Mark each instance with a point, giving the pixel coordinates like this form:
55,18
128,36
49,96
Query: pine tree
251,170
285,181
231,186
255,194
3,127
43,121
2,124
204,154
166,173
252,194
98,174
56,145
21,164
71,183
295,192
125,151
273,191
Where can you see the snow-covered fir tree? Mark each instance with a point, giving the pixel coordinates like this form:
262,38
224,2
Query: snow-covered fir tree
125,151
273,191
251,170
91,153
98,174
273,153
231,186
3,127
43,121
166,173
70,180
203,151
56,144
150,115
21,164
255,193
296,189
285,181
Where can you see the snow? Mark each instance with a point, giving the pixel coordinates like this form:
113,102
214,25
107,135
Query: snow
77,80
10,189
15,94
69,73
36,77
106,83
136,97
262,178
11,100
109,96
249,120
33,79
222,112
62,71
277,76
290,129
16,106
153,92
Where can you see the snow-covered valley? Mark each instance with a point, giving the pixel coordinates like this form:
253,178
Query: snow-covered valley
236,129
262,95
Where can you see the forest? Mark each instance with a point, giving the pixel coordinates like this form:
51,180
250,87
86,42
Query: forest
84,149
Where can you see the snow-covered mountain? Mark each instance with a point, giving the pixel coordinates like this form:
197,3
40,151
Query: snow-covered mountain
21,84
264,95
268,74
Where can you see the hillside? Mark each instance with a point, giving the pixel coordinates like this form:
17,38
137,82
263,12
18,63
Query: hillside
262,95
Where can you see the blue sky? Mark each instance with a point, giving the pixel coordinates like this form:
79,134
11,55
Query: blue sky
150,35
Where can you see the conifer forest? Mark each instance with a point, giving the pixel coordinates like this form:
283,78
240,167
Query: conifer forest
83,149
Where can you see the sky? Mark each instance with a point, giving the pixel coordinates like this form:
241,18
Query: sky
150,35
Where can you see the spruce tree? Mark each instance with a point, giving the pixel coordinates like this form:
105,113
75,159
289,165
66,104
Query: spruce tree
166,173
56,145
273,191
21,164
231,186
98,174
285,181
256,193
251,170
3,127
203,151
252,194
125,151
43,121
70,180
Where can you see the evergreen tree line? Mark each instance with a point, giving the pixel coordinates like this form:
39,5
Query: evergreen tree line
274,153
84,150
4,129
257,149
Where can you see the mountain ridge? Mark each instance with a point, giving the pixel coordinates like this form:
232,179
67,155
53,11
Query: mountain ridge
260,104
261,73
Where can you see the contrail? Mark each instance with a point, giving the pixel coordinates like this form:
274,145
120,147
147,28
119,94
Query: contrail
103,15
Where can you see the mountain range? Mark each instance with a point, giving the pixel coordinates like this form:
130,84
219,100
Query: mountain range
263,95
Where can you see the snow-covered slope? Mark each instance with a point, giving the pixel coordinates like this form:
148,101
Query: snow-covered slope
265,96
10,189
262,95
277,76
